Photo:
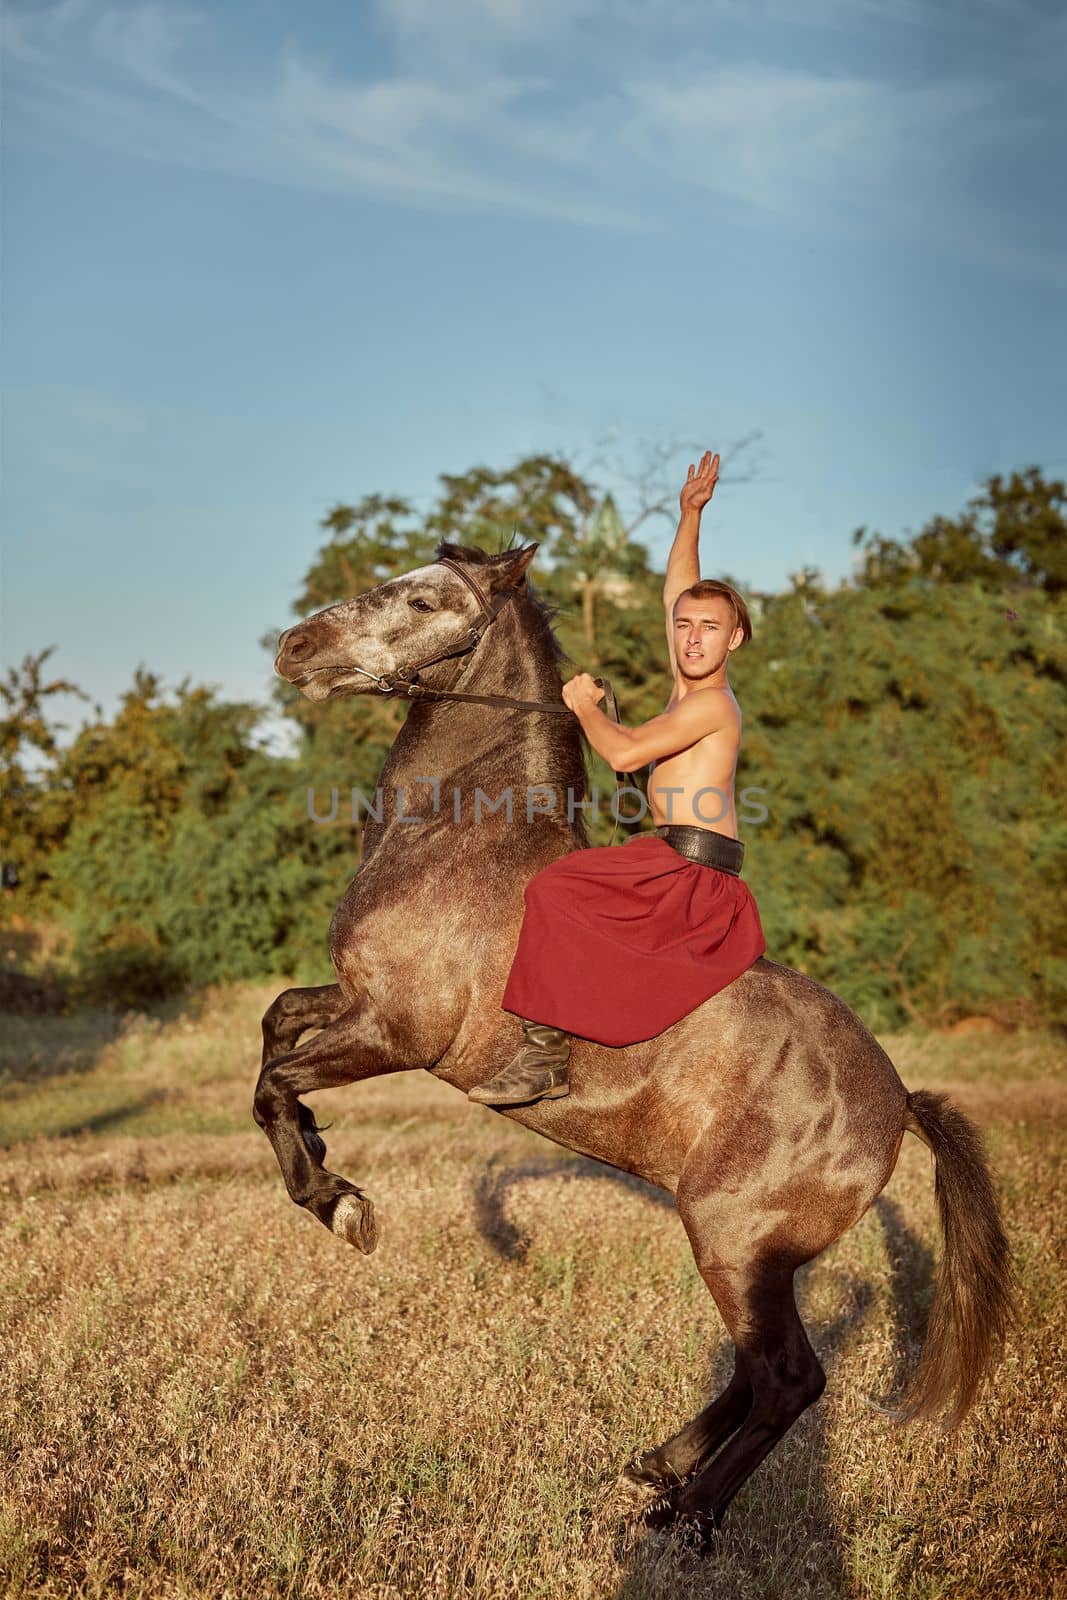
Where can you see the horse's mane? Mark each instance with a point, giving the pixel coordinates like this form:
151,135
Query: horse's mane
544,611
562,739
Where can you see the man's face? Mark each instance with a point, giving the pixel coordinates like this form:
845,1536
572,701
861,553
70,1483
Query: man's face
704,634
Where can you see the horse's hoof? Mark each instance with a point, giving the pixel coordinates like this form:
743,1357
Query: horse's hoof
660,1514
696,1529
353,1221
647,1472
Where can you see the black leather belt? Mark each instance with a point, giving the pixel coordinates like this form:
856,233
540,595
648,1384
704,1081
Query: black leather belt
704,845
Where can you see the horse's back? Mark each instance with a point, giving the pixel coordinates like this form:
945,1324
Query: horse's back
777,1033
774,1073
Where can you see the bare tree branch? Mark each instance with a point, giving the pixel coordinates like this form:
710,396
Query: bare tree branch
653,482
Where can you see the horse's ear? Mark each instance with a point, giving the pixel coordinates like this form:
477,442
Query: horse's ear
509,570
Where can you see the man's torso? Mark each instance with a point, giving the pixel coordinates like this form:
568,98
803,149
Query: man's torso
709,765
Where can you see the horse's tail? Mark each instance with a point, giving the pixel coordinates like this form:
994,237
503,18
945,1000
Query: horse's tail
974,1295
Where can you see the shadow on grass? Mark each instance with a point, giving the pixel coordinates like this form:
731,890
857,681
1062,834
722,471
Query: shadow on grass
63,1121
911,1273
492,1189
110,1121
37,1047
785,1519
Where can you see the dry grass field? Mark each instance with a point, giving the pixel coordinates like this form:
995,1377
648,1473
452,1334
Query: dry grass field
205,1394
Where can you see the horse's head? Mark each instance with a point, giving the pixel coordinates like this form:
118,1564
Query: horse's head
436,613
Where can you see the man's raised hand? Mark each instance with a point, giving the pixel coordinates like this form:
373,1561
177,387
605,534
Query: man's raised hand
700,484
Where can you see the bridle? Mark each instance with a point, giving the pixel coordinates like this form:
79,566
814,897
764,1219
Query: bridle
489,610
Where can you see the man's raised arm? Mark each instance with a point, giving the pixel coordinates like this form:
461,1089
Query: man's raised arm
683,563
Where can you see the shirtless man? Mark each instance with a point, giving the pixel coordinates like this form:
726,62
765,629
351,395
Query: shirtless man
692,746
651,930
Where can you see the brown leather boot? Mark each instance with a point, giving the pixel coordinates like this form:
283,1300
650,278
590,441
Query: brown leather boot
538,1072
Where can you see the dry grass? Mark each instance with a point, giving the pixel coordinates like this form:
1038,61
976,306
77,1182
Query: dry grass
205,1394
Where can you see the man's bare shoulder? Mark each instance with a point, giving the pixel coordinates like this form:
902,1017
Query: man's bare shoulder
723,690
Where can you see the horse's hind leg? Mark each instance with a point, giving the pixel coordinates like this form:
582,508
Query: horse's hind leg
294,1012
760,1311
670,1463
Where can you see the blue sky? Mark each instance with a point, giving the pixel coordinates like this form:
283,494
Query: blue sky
259,258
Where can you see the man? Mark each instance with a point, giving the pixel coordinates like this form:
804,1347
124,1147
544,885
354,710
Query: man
618,944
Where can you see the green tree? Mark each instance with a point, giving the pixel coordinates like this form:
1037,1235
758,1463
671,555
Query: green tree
188,856
1012,534
906,730
908,741
32,814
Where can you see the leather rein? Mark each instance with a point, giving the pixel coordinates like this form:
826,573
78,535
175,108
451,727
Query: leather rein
490,609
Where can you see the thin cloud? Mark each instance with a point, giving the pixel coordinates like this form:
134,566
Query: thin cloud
787,140
468,29
114,76
840,150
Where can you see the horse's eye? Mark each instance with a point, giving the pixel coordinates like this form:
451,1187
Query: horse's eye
420,605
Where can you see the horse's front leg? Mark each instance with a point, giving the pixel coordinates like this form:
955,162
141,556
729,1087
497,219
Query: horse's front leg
353,1046
294,1012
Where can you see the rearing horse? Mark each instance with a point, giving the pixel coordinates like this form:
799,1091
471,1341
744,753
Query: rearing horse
770,1112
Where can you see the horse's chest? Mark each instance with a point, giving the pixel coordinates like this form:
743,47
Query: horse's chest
403,946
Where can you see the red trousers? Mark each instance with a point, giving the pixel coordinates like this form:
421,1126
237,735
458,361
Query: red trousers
618,943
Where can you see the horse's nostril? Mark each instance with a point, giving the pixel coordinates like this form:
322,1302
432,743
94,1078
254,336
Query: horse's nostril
300,648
